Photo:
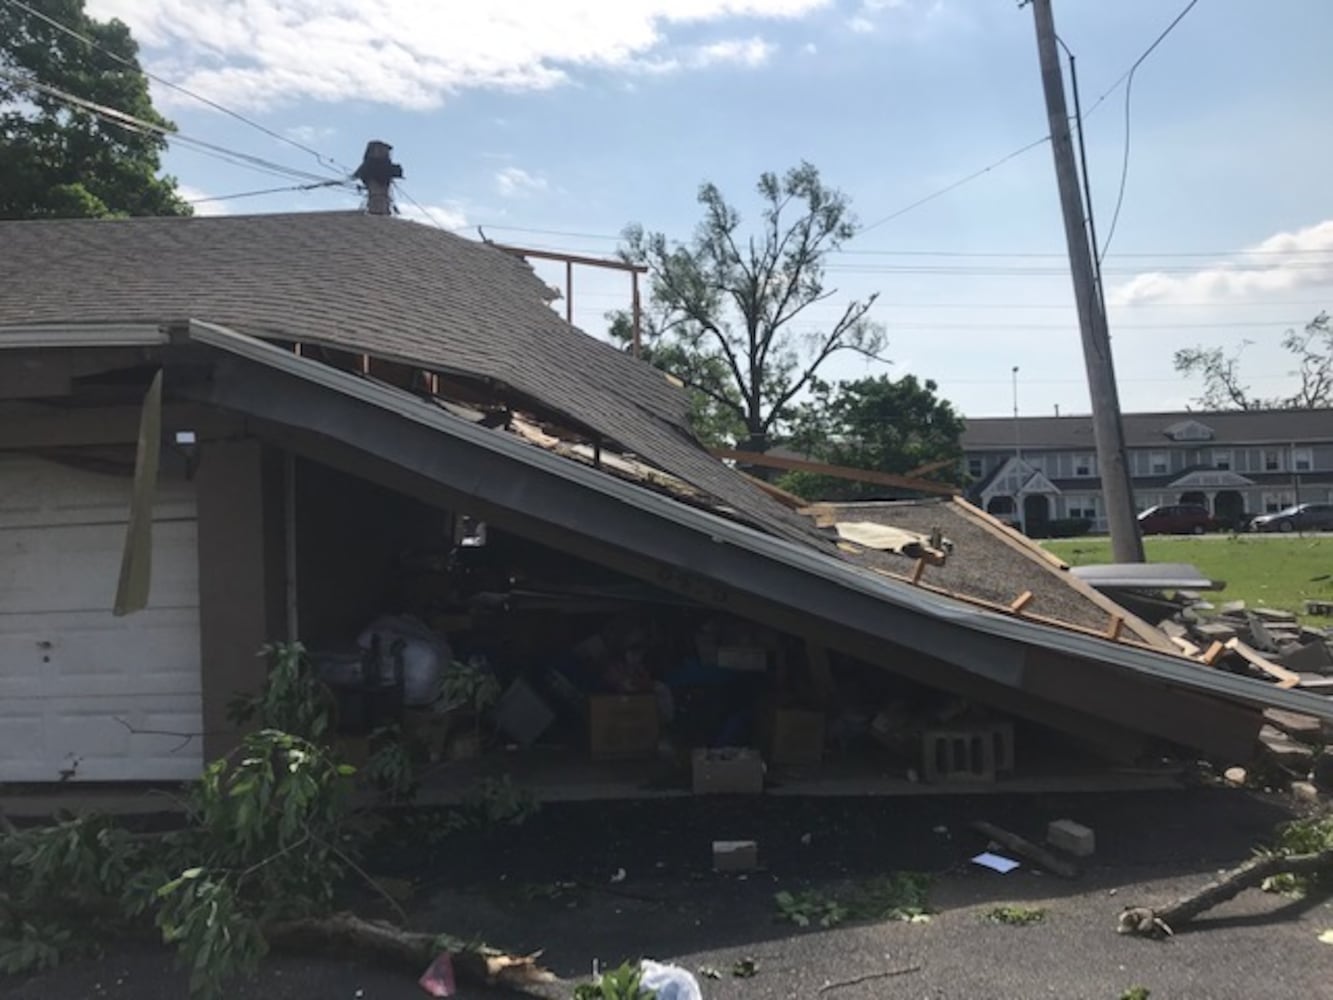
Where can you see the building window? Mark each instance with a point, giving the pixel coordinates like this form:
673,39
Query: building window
1272,461
1082,507
975,468
1274,502
1222,461
1301,459
1158,464
1083,465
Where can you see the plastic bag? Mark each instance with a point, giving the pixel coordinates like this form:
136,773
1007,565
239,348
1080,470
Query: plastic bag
669,982
425,655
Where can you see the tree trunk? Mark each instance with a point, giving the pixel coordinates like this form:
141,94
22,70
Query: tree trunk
346,933
1148,921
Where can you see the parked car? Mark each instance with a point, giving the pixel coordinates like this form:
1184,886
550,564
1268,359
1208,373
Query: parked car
1175,519
1302,517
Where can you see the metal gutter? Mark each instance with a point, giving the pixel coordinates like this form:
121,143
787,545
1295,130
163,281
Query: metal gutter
83,335
970,652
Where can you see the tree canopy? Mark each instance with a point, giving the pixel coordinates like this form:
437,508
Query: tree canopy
62,162
1225,387
876,423
722,307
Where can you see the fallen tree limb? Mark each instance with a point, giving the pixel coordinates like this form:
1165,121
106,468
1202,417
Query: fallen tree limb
1026,849
868,978
1145,920
344,933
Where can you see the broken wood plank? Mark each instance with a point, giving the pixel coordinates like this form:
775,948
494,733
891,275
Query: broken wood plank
784,497
918,569
836,471
1114,626
1026,849
1187,647
1285,678
1020,602
1214,651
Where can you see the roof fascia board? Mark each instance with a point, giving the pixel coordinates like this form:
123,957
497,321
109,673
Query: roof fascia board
876,604
83,335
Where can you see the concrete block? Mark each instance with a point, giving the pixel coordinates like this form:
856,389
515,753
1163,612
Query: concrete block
1072,838
735,855
1305,791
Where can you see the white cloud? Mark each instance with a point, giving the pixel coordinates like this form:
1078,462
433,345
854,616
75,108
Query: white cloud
414,53
515,182
810,48
193,194
449,216
749,52
861,24
310,134
1281,263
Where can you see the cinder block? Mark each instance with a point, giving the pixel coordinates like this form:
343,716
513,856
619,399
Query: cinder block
735,855
958,755
1072,838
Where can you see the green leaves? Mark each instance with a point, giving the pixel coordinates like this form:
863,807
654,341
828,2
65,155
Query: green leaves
59,163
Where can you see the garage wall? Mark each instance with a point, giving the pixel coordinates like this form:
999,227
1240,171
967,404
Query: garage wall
349,535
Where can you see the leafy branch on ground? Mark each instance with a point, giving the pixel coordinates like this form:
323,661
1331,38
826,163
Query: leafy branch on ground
897,896
1300,860
1017,916
623,983
270,836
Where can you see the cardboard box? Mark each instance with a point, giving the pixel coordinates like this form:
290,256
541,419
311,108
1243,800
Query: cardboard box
735,855
794,736
728,771
622,725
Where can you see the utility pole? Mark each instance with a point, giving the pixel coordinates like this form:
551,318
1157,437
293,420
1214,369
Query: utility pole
1112,461
377,172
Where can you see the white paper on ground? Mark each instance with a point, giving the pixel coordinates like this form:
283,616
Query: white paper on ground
995,862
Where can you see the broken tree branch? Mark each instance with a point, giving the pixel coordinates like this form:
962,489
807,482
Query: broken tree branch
869,977
1026,849
1147,921
344,933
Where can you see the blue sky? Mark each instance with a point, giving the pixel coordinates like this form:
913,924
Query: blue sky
579,116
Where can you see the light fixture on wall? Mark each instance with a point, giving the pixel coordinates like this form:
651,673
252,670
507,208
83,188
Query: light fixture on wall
187,443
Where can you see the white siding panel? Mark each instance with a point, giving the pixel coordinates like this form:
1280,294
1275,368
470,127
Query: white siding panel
76,681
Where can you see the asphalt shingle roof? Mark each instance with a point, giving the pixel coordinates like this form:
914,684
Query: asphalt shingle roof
372,285
1148,430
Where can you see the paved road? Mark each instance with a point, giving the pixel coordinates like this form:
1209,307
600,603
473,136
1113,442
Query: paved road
1152,847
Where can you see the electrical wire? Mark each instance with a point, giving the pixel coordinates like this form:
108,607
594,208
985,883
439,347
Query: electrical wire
327,162
425,211
1129,91
277,190
132,123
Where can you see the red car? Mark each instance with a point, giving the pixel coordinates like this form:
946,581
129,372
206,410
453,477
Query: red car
1175,519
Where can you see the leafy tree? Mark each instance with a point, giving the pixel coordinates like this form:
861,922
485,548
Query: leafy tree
62,162
1224,388
722,307
884,424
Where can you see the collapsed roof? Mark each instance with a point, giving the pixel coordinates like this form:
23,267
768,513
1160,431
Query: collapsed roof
244,291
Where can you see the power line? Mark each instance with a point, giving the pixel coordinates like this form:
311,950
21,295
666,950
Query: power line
955,185
132,123
277,190
327,162
1129,91
425,211
999,254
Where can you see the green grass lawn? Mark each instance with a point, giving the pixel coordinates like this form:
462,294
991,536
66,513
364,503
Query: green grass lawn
1271,571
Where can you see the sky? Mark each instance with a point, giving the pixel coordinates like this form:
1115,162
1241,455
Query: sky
555,123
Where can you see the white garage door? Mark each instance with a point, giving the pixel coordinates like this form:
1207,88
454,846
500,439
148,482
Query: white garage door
82,691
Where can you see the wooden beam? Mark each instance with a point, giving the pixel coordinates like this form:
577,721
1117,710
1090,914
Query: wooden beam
572,258
1213,652
1020,602
1114,626
929,467
1285,678
836,471
917,570
778,493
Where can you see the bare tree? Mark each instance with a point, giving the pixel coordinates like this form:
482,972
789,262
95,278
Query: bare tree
1224,388
725,302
